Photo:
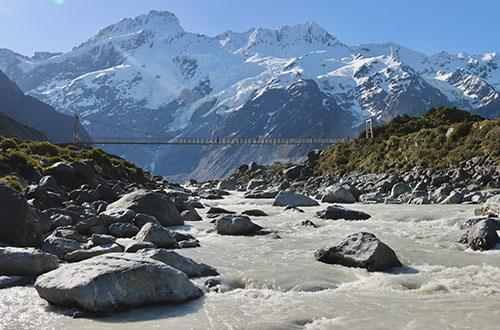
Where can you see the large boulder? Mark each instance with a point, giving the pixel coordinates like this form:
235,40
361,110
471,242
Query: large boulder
151,203
186,265
286,198
336,212
26,261
235,225
491,208
117,215
227,184
158,235
255,213
80,255
338,195
59,246
190,215
63,173
399,189
123,230
482,235
18,223
255,183
115,281
254,194
362,250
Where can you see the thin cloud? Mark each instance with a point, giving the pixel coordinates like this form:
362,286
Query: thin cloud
59,2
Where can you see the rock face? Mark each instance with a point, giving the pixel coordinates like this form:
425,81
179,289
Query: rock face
157,235
26,261
338,195
186,265
18,224
286,198
483,235
235,225
362,250
115,281
335,212
151,203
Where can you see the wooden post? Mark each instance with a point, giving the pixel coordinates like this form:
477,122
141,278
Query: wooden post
369,128
77,126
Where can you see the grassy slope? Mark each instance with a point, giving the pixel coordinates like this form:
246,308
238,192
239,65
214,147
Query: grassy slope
20,159
441,138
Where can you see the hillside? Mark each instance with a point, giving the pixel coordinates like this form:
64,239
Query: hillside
442,138
12,128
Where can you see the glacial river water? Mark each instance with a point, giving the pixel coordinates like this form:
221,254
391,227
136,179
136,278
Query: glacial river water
277,284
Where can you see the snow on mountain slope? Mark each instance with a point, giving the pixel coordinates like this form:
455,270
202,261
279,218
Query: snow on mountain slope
147,74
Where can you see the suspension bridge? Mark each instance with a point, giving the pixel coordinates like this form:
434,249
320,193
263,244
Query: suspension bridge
161,140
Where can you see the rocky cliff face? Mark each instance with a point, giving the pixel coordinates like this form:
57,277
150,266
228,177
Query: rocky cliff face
147,75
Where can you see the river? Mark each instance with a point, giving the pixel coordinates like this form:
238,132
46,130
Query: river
277,284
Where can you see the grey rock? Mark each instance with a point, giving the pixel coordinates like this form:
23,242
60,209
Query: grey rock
255,213
286,198
157,235
336,212
219,210
80,255
89,226
141,219
227,185
483,235
186,265
371,197
60,220
454,198
123,230
132,245
117,215
26,261
490,208
115,281
63,173
265,194
255,183
18,223
152,203
101,239
399,189
69,233
362,250
59,246
235,225
12,281
338,195
190,215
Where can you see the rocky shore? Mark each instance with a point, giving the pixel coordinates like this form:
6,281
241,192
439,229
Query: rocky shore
102,245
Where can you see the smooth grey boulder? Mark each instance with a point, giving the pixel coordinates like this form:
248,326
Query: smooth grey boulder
482,235
59,246
338,195
123,230
235,225
151,203
14,280
115,281
80,255
227,185
141,219
264,194
362,250
18,223
490,208
26,261
158,235
255,183
286,198
186,265
101,239
117,215
190,215
132,245
336,212
454,198
399,188
255,213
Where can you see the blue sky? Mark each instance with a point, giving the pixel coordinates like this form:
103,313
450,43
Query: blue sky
423,25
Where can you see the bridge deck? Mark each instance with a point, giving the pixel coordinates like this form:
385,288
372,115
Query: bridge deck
210,141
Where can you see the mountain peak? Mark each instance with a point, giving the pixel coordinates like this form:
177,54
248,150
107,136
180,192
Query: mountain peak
162,23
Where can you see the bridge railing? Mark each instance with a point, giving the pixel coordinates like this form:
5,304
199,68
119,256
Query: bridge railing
209,141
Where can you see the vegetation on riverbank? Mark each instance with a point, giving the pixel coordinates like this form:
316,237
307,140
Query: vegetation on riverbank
21,160
442,138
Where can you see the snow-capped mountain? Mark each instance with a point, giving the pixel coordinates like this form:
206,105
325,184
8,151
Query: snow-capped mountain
148,75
